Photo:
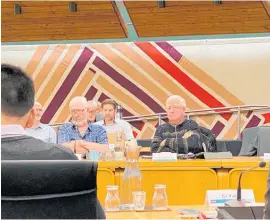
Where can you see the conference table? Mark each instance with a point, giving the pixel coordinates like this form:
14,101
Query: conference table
173,213
187,180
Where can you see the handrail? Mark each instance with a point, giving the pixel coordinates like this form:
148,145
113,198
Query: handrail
213,110
198,112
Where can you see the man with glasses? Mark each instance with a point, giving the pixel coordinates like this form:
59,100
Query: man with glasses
39,130
179,135
94,115
80,135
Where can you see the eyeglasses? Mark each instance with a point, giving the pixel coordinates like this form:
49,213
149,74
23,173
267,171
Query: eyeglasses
39,109
92,111
174,107
78,111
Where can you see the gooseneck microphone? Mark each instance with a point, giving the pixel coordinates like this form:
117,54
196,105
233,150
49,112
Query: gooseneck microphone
75,139
239,196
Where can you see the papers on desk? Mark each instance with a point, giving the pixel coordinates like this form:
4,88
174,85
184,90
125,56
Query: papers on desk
209,214
266,157
164,156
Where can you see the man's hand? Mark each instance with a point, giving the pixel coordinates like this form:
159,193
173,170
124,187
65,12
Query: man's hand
162,144
80,147
187,134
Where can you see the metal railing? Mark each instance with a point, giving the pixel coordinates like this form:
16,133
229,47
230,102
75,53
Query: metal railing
200,112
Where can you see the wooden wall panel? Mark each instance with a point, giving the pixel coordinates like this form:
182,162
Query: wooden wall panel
198,18
53,21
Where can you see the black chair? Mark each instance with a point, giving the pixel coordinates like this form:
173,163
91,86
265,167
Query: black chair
50,190
234,146
144,142
146,146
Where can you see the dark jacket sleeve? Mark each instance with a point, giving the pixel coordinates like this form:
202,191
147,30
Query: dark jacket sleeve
192,144
158,138
267,199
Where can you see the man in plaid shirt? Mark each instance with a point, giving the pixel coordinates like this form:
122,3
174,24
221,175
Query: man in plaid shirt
80,135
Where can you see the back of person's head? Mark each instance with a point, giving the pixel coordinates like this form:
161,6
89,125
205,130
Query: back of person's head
17,90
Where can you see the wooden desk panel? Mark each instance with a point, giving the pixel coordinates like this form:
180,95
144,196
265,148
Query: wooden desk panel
256,180
184,176
237,162
182,184
104,177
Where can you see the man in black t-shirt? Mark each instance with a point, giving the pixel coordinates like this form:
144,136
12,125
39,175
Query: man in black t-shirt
17,113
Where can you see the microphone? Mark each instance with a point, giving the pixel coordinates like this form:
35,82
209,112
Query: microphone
74,147
239,190
75,143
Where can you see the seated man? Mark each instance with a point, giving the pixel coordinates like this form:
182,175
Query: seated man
94,115
41,131
17,113
80,135
113,124
180,135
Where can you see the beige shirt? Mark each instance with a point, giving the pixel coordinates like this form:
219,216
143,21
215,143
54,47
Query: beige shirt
118,126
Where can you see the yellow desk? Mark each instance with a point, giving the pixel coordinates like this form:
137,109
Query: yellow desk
172,214
187,180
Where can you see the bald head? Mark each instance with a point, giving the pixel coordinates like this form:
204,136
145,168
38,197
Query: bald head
176,100
38,112
37,105
92,107
92,104
78,101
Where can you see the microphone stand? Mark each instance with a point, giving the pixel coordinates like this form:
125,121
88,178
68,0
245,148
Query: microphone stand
239,202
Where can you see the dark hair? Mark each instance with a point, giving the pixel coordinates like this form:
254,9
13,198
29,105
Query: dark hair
18,93
109,102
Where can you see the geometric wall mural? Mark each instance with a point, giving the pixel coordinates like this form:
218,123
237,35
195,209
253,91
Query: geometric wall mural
140,76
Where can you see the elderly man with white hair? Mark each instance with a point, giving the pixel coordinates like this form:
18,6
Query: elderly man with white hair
80,135
39,130
94,116
179,135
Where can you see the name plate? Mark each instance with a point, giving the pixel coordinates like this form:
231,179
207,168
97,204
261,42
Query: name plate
164,156
218,155
266,157
220,197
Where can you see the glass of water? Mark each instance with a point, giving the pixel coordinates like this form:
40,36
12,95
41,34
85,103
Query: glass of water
160,200
139,198
112,201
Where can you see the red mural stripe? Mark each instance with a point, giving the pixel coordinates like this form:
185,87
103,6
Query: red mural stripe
67,85
180,76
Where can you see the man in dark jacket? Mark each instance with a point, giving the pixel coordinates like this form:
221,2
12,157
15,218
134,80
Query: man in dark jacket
17,113
179,135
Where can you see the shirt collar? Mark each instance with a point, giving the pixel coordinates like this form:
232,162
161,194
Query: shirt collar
40,125
89,126
12,130
116,121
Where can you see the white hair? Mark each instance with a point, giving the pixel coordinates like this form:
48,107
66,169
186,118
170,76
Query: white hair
178,98
37,103
78,100
93,103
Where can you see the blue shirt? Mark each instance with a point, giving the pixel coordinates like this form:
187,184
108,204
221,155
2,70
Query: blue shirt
94,133
43,132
